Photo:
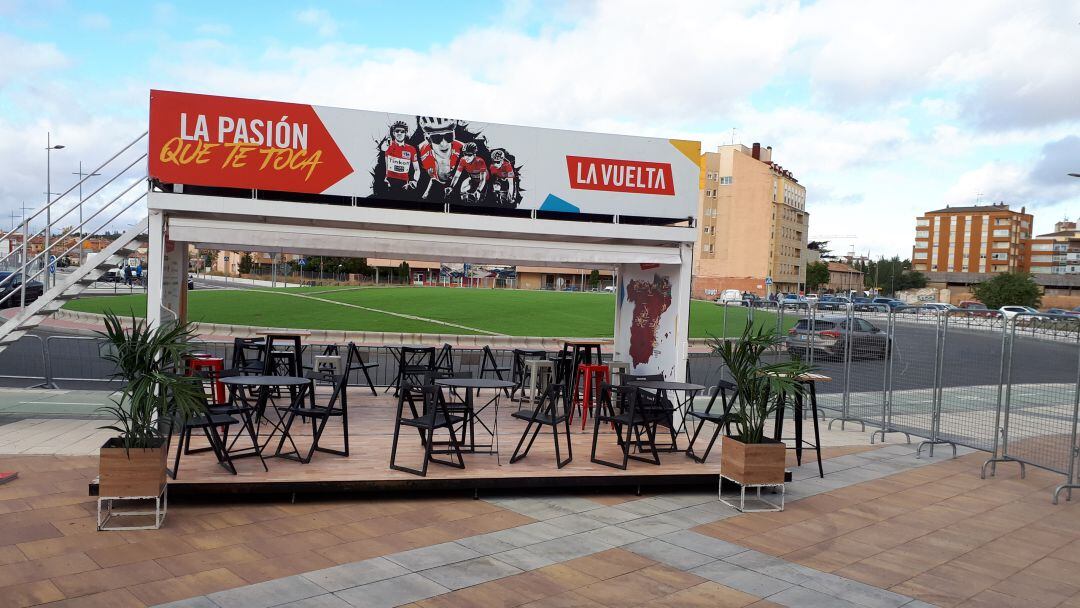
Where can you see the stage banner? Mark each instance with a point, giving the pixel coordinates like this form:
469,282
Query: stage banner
206,140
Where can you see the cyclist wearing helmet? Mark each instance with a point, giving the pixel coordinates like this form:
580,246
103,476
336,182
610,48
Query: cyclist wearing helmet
401,159
475,170
502,178
440,150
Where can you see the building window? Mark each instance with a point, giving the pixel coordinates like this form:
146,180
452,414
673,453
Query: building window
1001,233
725,180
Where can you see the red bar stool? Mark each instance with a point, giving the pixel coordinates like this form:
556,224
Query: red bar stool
590,376
215,365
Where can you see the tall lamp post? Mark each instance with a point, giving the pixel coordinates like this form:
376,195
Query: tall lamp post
49,147
82,231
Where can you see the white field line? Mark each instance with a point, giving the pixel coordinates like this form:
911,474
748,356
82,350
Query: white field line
387,312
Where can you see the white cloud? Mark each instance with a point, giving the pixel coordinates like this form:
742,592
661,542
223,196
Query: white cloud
95,21
22,58
321,20
213,29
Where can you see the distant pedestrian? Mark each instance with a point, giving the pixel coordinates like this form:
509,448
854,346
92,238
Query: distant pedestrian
127,275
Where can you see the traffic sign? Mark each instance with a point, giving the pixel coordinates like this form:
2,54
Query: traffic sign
302,262
52,264
768,280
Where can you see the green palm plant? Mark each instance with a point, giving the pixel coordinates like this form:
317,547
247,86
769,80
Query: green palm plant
760,385
154,392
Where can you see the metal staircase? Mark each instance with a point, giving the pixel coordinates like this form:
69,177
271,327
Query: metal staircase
61,290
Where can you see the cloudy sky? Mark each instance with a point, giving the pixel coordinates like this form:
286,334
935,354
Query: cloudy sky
883,110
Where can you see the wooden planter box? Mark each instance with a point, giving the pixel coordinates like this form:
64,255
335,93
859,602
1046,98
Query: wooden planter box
753,463
134,472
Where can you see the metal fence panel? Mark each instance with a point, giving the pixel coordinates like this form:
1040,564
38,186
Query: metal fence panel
25,359
970,378
1042,393
913,371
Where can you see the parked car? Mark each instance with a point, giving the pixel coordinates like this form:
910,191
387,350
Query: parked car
1012,311
974,308
830,337
11,283
811,298
752,300
793,300
833,303
1063,311
729,297
938,306
888,303
609,288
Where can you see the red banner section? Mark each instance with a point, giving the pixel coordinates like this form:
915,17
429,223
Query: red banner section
206,140
613,175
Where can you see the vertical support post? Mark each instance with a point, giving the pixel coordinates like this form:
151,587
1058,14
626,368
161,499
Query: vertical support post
155,258
681,297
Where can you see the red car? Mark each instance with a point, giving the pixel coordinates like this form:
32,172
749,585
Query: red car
978,309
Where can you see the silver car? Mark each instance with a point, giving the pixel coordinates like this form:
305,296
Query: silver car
828,338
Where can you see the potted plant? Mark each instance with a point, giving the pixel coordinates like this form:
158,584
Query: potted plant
155,394
747,456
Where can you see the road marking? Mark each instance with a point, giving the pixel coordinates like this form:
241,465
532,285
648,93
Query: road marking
387,312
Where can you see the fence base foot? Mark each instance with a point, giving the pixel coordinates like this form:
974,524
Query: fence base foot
918,451
883,431
50,385
1068,487
993,466
844,421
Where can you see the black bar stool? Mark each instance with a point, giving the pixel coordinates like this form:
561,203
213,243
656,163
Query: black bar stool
809,382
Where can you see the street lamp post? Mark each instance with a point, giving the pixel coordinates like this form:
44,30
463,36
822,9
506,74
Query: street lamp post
48,202
82,231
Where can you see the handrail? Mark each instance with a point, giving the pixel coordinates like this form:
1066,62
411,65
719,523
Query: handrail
26,222
70,249
92,216
65,214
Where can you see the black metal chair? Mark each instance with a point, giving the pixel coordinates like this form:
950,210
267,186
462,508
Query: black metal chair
432,415
727,392
209,424
413,364
619,407
444,361
547,412
519,372
247,356
354,360
488,365
319,415
240,409
658,413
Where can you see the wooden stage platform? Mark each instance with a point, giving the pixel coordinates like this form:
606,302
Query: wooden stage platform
371,427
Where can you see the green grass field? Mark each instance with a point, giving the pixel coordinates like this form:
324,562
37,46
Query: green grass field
511,312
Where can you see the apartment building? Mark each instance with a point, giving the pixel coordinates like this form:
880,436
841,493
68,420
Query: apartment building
980,239
1057,252
753,224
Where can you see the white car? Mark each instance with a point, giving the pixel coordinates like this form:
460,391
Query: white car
1011,311
730,296
939,306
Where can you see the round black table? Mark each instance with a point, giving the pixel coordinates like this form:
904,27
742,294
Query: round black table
687,389
472,413
299,388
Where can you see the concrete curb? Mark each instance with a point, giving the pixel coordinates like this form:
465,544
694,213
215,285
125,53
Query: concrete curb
368,338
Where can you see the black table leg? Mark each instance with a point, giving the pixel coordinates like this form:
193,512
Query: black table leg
797,421
817,435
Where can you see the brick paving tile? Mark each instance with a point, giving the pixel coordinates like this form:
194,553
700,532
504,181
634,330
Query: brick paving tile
116,598
198,561
9,554
29,594
94,581
182,587
41,569
261,570
66,544
569,599
606,564
146,549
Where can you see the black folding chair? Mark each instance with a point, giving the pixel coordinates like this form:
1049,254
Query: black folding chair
727,392
619,407
488,365
444,361
354,360
209,424
519,373
319,415
247,356
413,364
431,416
239,409
547,412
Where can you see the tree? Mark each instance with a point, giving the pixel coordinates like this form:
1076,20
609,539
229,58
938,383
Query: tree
823,250
817,274
246,262
210,257
594,278
1009,289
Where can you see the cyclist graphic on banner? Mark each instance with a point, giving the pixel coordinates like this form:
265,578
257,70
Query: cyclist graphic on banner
443,161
